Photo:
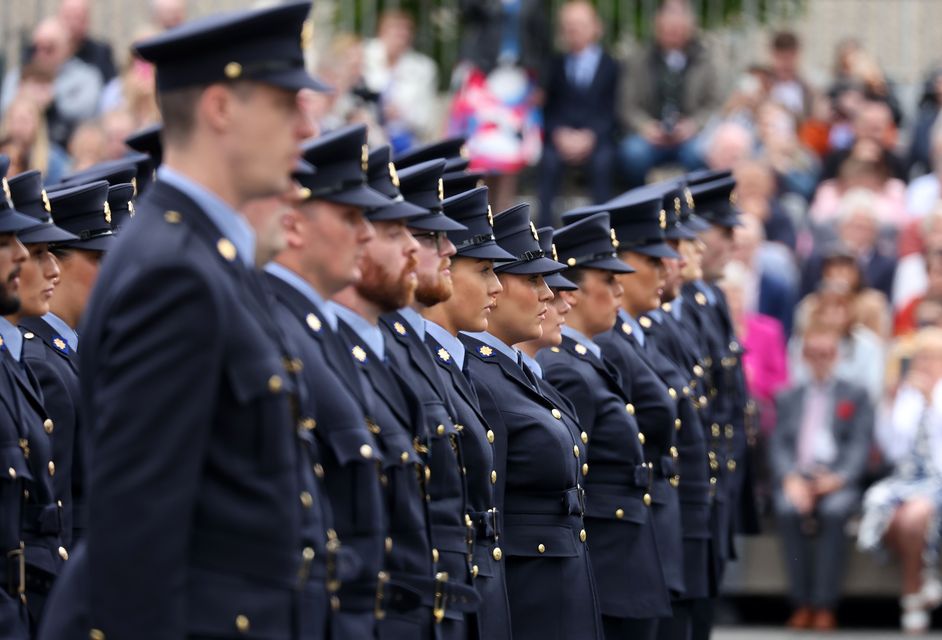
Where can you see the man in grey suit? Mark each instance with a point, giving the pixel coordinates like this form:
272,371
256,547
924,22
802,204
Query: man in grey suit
818,454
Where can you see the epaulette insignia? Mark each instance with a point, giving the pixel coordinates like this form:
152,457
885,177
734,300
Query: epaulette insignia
60,344
666,307
580,349
173,217
401,330
226,249
626,328
645,322
444,355
700,298
313,322
359,353
554,349
486,351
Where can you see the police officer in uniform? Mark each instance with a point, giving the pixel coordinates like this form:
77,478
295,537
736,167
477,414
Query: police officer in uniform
17,477
405,333
51,341
323,236
195,525
624,550
538,453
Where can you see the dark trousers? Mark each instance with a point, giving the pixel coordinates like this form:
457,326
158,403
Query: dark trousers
597,170
815,547
629,628
701,618
680,626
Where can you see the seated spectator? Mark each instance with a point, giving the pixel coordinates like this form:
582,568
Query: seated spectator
134,91
923,193
579,112
911,280
907,320
23,137
405,80
857,233
749,93
928,313
74,15
922,144
729,144
756,193
764,355
863,170
855,67
861,351
796,168
87,145
901,511
768,289
818,455
789,89
117,126
872,126
76,86
669,91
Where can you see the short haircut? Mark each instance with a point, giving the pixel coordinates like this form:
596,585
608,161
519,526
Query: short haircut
785,41
178,108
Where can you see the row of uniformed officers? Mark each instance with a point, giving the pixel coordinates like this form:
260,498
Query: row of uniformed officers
371,408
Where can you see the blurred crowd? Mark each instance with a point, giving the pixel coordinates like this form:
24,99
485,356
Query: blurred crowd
836,282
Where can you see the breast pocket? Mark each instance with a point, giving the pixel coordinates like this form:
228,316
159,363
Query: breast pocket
539,540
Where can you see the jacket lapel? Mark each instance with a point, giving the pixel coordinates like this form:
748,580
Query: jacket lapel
48,335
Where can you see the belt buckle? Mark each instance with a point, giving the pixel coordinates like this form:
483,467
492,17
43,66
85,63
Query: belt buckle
438,604
379,612
20,587
333,548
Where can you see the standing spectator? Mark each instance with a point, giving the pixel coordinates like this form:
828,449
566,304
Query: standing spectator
901,511
769,288
74,15
818,454
923,193
135,90
405,80
922,151
789,89
579,114
76,86
166,14
87,145
796,168
23,137
670,90
872,127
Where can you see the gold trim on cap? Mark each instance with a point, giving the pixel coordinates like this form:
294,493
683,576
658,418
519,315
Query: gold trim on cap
233,70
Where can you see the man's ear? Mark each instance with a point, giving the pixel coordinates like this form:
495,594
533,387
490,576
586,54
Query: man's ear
571,297
215,107
292,224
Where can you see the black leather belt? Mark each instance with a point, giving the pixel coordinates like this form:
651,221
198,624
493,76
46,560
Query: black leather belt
15,569
486,524
569,503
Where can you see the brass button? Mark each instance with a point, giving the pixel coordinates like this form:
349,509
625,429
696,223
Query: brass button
575,450
541,548
640,437
388,544
493,477
674,453
672,393
63,553
52,468
647,499
731,465
366,451
582,536
474,571
48,425
96,634
584,437
678,424
630,408
490,436
619,513
307,553
275,384
307,500
686,391
404,456
557,414
497,554
242,623
675,481
440,429
729,432
435,555
309,424
319,470
585,469
12,472
715,430
233,70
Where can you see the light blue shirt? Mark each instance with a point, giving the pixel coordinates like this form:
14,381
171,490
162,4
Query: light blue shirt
371,334
12,338
290,277
707,291
636,329
655,314
533,364
415,321
452,344
581,338
229,222
581,66
68,333
494,343
676,305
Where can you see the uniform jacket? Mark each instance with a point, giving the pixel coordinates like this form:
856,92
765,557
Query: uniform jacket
625,557
196,466
537,473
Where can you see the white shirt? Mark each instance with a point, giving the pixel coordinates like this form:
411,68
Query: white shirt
896,431
411,85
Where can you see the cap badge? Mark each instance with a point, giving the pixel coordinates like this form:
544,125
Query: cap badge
441,189
615,242
490,216
134,183
733,198
313,322
555,255
393,175
401,330
131,208
6,192
307,34
533,232
580,349
662,219
60,344
486,351
304,194
444,355
173,217
233,70
677,206
107,212
365,158
226,249
359,353
689,197
46,204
